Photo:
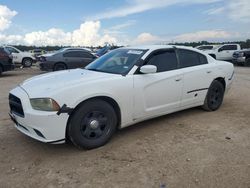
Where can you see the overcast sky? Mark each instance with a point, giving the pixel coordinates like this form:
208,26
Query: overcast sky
94,22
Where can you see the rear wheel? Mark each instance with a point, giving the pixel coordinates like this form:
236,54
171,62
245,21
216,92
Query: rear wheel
92,125
59,66
27,62
247,63
214,96
1,70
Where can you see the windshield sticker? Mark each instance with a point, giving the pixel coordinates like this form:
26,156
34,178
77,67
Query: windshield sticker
136,52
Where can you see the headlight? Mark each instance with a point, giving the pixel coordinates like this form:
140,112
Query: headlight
241,54
44,104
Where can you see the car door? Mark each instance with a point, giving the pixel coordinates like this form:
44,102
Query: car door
72,59
85,58
158,93
197,76
226,52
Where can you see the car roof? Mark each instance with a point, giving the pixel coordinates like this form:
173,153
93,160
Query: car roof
86,49
156,47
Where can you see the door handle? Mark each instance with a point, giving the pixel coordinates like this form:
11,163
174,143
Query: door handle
209,72
178,79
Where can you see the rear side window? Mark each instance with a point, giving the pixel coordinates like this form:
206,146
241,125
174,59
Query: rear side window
12,50
85,54
228,47
4,51
164,60
188,58
71,54
79,54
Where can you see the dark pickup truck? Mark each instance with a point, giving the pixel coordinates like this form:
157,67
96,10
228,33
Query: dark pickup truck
242,57
6,63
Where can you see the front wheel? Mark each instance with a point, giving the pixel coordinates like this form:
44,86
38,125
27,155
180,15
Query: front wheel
214,96
59,66
27,62
92,125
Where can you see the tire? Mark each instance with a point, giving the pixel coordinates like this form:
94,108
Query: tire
59,66
214,96
27,62
92,125
247,62
1,70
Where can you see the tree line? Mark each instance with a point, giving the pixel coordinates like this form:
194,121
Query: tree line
243,44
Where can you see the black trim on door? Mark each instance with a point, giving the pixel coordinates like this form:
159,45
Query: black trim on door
197,90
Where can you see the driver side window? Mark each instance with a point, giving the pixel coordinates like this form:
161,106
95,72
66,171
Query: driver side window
228,47
164,60
12,50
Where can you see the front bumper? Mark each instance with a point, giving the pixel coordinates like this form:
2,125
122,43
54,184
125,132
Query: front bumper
45,66
9,67
239,60
43,126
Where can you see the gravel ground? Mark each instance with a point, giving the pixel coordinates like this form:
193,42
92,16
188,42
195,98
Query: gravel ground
192,148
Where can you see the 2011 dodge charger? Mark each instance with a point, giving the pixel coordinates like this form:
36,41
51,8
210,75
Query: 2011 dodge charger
121,88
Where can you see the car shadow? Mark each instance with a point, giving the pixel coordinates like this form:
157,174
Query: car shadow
120,135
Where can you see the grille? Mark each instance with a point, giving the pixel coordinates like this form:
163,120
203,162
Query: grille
16,105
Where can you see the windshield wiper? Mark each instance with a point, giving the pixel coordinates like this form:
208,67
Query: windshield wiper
93,69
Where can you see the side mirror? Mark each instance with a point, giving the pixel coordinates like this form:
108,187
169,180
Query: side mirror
220,50
148,69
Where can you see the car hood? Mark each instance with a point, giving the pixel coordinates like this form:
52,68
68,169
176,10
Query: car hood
47,55
45,84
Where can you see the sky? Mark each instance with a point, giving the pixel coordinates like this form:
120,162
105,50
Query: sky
122,22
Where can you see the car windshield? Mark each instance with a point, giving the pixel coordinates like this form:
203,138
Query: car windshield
118,61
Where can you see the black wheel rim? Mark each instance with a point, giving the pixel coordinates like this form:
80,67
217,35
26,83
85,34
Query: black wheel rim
27,63
94,125
216,97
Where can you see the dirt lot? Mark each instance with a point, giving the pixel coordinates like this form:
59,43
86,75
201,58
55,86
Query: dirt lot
191,148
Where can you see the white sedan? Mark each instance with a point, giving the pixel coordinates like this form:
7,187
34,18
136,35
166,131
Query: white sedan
121,88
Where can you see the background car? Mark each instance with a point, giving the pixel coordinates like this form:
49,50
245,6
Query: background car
242,57
25,59
224,52
6,63
103,51
37,52
65,59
